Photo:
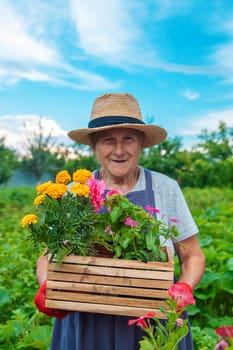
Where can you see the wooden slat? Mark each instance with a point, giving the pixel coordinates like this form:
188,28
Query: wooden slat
131,264
102,289
108,280
101,308
106,299
99,261
119,272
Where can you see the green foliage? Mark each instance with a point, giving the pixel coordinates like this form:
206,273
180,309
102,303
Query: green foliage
164,336
207,164
8,161
131,232
217,145
212,210
82,158
82,162
205,338
40,161
68,224
65,226
17,276
166,157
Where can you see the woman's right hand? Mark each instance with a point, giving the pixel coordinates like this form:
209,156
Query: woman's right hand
39,301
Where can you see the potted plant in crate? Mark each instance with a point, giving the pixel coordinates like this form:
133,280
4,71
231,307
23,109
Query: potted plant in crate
74,221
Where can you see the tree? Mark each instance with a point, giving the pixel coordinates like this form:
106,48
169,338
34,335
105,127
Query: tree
40,157
84,158
166,157
8,161
217,145
210,163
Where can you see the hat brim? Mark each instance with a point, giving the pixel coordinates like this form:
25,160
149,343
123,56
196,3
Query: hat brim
154,134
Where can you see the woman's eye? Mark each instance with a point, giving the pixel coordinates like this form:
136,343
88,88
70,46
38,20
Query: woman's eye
129,138
107,140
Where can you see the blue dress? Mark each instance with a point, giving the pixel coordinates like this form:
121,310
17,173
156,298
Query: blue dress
88,331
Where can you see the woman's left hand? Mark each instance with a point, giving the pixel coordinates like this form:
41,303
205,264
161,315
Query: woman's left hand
192,261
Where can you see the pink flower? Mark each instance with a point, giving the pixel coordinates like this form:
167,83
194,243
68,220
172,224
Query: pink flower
112,192
174,220
130,222
141,320
97,192
179,322
181,292
221,345
225,331
108,230
152,210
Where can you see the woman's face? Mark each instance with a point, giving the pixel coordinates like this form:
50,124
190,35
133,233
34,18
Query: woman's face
118,151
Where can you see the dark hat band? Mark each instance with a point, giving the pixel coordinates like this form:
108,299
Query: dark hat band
113,120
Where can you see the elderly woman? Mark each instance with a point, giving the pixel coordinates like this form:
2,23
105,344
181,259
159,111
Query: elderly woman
117,135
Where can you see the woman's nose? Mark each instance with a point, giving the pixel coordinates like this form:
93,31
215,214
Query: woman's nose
119,148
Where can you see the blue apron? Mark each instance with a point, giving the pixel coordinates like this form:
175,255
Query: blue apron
88,331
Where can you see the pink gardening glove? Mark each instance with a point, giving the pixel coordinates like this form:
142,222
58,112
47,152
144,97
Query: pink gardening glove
182,293
39,301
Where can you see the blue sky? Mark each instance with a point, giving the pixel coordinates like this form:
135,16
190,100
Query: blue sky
57,56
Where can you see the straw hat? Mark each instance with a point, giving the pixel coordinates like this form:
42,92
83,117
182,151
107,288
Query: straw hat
118,110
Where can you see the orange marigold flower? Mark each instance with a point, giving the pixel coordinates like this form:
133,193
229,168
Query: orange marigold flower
63,177
56,190
42,188
29,219
80,190
39,199
82,176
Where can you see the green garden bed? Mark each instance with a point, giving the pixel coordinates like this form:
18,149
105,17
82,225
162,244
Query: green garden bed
22,327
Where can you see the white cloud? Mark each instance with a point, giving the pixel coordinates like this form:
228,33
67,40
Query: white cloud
38,41
92,80
13,76
109,31
222,54
163,9
209,121
223,57
30,48
116,33
22,55
181,68
17,45
14,129
190,95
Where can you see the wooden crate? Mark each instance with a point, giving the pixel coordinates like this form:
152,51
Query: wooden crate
109,286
